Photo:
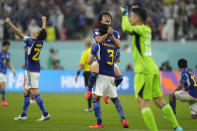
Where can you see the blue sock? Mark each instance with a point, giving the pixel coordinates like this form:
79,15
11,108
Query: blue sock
40,103
173,105
119,108
118,80
97,110
2,94
92,80
26,104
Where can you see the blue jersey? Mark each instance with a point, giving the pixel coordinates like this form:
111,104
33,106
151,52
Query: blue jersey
32,52
4,59
105,55
190,85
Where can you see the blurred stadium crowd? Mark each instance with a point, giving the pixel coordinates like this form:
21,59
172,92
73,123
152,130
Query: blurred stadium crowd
76,19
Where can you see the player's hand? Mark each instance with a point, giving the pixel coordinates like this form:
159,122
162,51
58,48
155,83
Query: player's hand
110,31
7,20
44,18
124,11
76,78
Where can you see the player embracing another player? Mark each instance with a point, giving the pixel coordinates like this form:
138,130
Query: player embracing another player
147,78
105,34
105,51
33,47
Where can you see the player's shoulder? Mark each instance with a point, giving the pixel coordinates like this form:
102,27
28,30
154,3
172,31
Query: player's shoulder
95,45
96,31
184,73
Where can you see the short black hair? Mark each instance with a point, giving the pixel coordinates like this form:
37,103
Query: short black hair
141,12
5,42
42,35
182,63
101,15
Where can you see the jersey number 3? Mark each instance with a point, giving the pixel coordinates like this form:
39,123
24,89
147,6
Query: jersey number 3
111,55
36,57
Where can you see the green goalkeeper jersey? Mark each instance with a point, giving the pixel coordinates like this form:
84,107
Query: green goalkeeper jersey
141,47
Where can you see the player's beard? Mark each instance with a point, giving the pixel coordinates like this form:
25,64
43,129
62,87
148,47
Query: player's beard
103,28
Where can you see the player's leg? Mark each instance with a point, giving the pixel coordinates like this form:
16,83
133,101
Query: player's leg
2,90
97,93
160,102
94,68
118,75
111,92
143,94
26,99
193,108
172,100
35,93
86,75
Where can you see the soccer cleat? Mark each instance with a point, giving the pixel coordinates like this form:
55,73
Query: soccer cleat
96,126
32,101
88,110
178,128
19,117
44,118
87,95
106,99
4,103
124,123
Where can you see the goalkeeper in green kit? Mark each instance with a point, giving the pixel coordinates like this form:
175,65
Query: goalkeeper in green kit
147,78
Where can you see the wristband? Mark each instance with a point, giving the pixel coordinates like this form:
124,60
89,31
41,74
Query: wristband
78,72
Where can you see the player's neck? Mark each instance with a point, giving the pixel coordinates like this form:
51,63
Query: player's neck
139,23
182,69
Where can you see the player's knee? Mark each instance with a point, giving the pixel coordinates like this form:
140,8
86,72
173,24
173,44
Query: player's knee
118,80
34,91
194,116
92,78
142,103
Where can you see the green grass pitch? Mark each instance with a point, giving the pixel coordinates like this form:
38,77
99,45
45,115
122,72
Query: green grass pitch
67,114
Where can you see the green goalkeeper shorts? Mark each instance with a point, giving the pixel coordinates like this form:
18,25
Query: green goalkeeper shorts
147,86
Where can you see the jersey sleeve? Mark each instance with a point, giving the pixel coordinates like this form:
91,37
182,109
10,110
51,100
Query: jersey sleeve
183,78
116,35
118,54
96,33
82,61
28,41
95,48
128,28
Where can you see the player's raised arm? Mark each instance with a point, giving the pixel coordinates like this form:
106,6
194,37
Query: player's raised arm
13,27
44,19
12,68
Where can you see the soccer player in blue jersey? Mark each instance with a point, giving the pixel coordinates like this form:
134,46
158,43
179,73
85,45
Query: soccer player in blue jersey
104,34
189,92
34,45
105,54
4,63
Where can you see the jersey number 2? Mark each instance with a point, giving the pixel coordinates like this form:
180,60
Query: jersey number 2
36,57
111,54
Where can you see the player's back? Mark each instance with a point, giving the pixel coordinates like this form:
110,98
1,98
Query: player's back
32,52
4,59
189,82
105,54
141,43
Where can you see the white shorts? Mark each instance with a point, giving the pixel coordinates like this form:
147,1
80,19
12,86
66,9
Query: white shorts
95,62
186,97
105,85
2,77
32,79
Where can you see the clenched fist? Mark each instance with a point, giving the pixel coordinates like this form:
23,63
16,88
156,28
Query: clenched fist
44,18
7,20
